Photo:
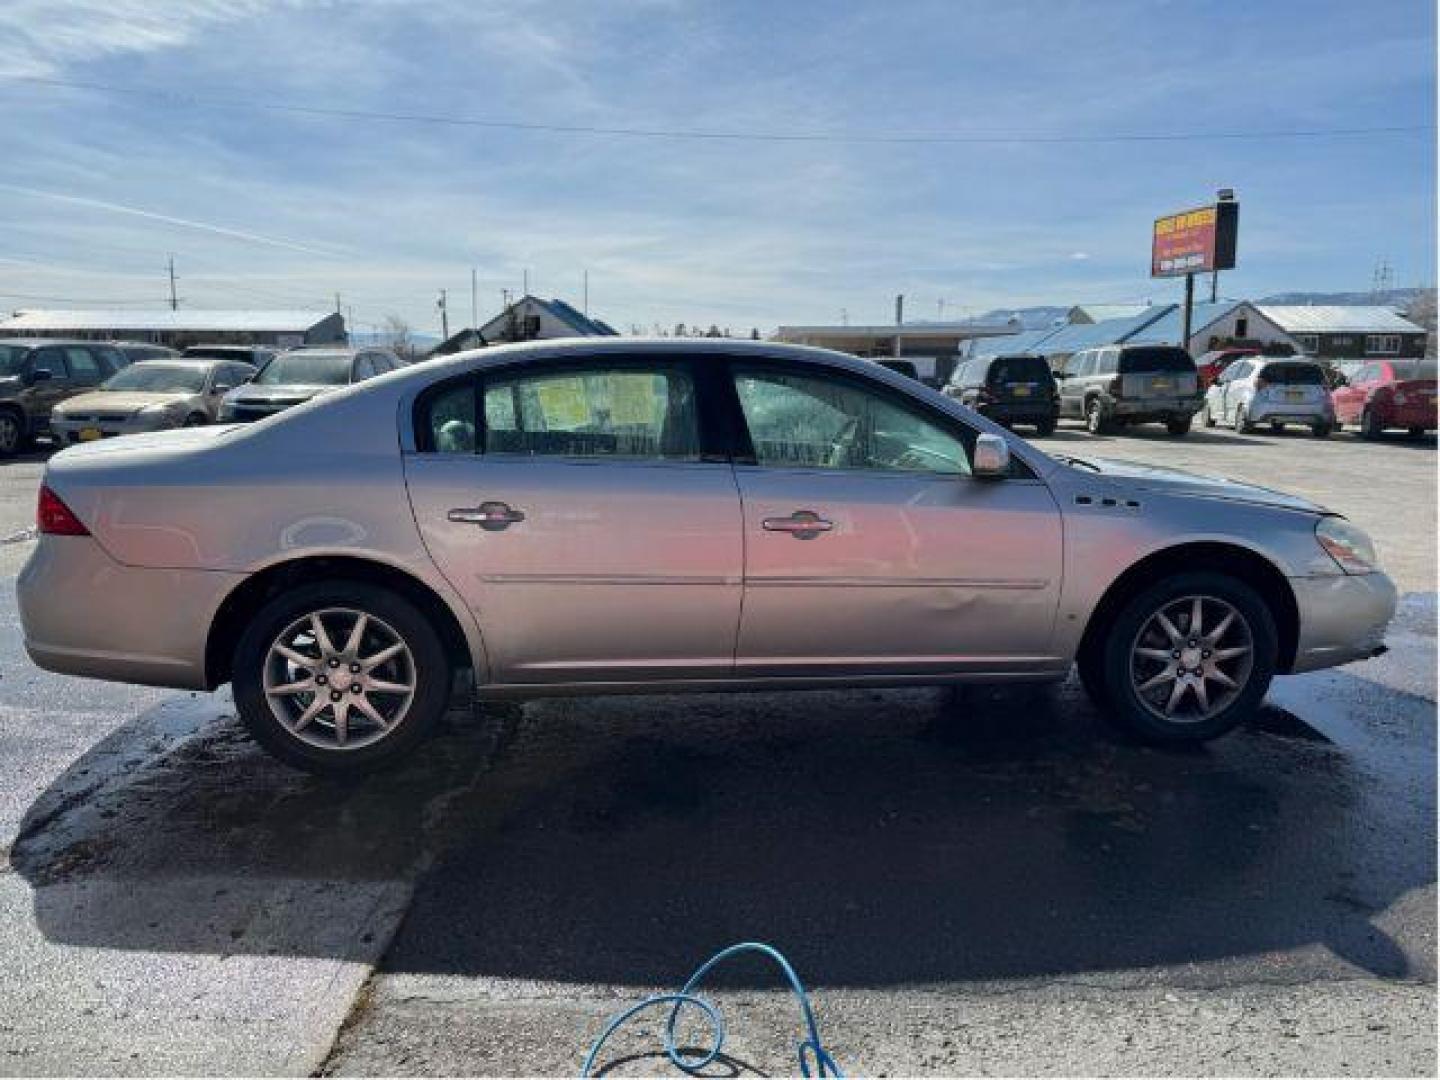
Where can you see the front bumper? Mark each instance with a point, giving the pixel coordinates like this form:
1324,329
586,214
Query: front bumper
86,614
1343,617
70,431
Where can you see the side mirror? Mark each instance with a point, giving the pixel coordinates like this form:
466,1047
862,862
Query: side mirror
992,458
40,375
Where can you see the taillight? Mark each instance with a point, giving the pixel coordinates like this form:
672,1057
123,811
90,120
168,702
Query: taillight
1115,385
54,517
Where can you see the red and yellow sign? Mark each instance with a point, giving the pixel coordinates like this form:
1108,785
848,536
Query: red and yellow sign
1194,241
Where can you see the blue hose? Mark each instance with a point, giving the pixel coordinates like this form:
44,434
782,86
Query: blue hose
810,1050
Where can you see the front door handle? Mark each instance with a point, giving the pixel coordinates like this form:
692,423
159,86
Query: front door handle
802,524
490,516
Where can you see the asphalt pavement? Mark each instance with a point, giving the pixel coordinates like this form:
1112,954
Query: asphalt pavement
980,882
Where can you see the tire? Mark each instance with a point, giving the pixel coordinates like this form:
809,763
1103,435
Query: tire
1178,425
1370,426
1276,428
1046,427
1321,430
1416,432
1250,637
1206,416
422,665
12,433
1242,421
1095,421
196,419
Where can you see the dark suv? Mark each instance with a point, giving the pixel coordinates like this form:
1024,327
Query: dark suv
36,374
1009,390
1131,384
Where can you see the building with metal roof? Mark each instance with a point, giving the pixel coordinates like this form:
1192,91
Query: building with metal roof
1348,335
181,327
934,347
1094,313
528,319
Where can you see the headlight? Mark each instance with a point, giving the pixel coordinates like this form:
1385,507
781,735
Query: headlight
1348,545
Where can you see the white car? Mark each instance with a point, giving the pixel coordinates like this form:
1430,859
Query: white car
1276,391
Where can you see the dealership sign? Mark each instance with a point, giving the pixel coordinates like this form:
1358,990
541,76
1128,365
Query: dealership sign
1195,241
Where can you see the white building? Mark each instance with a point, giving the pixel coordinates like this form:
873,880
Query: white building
185,326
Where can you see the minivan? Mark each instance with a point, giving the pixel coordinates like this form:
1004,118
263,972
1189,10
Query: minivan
1117,385
1009,390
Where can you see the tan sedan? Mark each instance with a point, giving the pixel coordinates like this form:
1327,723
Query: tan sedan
149,396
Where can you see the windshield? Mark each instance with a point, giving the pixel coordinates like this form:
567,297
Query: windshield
306,369
12,359
1293,374
153,378
1144,361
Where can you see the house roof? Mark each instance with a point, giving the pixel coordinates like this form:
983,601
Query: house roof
163,319
582,324
1027,341
1338,319
1166,330
1103,312
1073,337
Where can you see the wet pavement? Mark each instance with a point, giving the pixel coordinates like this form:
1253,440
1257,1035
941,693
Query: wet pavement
985,881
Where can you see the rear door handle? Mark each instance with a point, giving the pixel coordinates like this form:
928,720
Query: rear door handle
802,524
490,516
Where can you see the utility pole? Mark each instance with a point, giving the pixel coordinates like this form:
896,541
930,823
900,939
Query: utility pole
174,302
1189,308
474,301
444,318
1214,284
899,320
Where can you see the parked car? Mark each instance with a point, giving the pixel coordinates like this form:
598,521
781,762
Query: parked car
1009,390
1388,394
133,352
618,516
257,356
36,374
149,396
1256,390
1118,385
298,375
1209,365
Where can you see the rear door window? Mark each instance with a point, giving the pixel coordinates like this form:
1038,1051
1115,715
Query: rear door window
84,368
1148,360
1105,361
1080,364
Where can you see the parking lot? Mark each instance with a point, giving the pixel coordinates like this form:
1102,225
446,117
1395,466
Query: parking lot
978,881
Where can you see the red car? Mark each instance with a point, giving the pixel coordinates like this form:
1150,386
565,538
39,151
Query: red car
1388,394
1211,364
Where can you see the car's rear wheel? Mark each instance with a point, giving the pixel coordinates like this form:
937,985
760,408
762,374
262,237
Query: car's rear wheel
1046,427
1188,658
1276,427
1178,425
1206,416
1242,420
1416,432
1321,429
340,677
1370,425
196,419
12,433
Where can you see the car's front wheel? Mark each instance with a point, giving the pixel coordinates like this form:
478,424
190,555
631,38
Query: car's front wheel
12,432
1178,425
1187,659
340,677
1046,426
1095,420
1206,416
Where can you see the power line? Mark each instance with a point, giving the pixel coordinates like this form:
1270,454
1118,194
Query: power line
720,136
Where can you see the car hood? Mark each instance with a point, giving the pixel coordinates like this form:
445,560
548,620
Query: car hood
118,401
1137,477
279,392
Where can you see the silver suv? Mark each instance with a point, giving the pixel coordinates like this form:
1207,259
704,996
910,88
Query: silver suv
1130,384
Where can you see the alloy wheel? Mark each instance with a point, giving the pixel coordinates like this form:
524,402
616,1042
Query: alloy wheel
9,434
339,679
1191,659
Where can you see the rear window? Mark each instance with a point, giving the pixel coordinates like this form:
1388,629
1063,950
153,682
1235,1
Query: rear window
1293,374
1144,361
306,369
1424,369
1011,369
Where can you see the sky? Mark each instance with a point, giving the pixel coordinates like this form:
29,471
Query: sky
739,163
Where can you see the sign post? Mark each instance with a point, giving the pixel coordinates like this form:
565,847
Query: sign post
1195,242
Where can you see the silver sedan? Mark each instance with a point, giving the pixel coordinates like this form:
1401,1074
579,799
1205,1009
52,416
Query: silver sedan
583,517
